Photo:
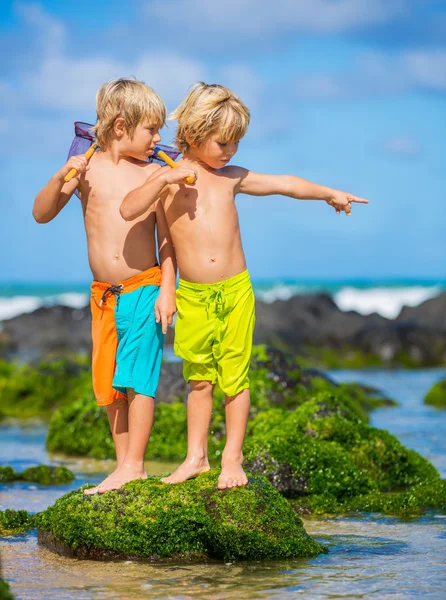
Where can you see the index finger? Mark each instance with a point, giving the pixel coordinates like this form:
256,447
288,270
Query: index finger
164,322
357,199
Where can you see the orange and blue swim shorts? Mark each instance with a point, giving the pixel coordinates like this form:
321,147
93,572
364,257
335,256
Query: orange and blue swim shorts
127,341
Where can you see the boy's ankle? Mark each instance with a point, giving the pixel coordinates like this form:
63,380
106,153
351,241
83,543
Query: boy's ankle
232,456
132,464
197,457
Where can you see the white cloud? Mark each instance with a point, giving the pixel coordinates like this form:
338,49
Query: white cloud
403,146
428,68
254,17
50,30
66,83
377,74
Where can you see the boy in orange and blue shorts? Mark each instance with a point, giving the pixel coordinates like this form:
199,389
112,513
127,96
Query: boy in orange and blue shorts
133,299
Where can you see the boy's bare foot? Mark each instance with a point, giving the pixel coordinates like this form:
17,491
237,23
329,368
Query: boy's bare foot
232,474
120,476
188,470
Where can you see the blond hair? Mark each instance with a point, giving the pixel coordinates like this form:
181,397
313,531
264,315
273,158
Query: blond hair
209,109
130,99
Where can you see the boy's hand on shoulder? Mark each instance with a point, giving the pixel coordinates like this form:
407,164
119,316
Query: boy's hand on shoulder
165,307
179,175
341,201
79,162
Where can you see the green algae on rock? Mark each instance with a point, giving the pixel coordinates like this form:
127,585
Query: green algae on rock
413,503
29,391
436,396
324,454
47,475
15,521
5,593
191,521
8,474
276,381
42,474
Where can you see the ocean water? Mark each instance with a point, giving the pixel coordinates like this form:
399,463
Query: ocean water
370,556
385,297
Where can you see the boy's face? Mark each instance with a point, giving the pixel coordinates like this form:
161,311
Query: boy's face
214,152
145,137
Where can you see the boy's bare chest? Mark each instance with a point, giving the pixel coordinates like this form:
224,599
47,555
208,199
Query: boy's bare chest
201,202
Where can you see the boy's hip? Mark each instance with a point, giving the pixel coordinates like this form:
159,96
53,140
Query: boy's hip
105,292
240,281
227,293
215,305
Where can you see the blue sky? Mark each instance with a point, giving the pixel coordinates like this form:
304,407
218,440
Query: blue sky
348,93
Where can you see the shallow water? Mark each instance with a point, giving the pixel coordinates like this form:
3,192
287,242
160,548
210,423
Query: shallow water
369,555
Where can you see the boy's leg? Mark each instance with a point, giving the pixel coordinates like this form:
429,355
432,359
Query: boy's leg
117,414
199,412
131,466
237,413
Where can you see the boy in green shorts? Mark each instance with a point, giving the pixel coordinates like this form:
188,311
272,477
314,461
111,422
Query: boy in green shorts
215,301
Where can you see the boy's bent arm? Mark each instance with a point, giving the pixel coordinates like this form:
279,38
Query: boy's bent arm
52,198
258,184
165,306
140,199
55,195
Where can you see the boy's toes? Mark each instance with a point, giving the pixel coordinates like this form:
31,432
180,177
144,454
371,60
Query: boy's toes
91,491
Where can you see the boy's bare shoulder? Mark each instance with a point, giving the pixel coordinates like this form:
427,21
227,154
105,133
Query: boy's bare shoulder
233,172
236,175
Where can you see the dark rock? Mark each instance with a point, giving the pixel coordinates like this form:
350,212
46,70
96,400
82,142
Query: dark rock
47,330
416,338
431,313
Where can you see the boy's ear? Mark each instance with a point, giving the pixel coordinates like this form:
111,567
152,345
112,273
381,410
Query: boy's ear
119,127
190,143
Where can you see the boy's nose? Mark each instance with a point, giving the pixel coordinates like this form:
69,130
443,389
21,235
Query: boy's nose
157,138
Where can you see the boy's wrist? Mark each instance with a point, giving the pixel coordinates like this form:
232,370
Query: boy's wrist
59,177
327,193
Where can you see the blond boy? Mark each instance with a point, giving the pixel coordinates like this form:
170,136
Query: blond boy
215,301
133,298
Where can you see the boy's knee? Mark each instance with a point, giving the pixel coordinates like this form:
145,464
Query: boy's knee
201,386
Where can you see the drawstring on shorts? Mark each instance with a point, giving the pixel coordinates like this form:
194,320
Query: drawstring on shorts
113,289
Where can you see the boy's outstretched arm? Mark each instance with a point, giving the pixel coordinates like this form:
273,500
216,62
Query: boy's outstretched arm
257,184
165,306
54,196
140,199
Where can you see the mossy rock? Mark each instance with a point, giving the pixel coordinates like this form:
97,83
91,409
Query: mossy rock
81,429
436,396
191,521
5,593
15,521
325,455
36,390
42,474
8,474
46,475
276,381
413,503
